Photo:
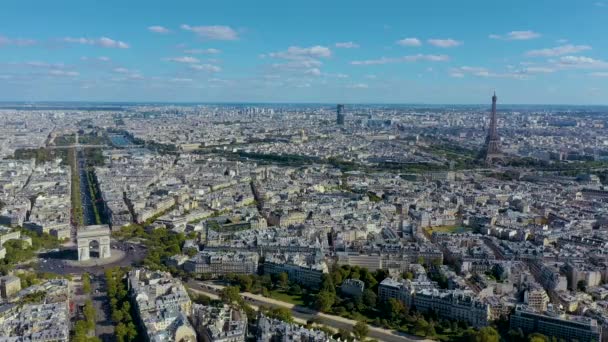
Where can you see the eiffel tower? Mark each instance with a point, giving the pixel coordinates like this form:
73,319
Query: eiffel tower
492,152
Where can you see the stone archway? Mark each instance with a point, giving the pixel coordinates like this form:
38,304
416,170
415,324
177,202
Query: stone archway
94,249
93,241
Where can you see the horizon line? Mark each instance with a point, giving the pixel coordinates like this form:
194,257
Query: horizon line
21,102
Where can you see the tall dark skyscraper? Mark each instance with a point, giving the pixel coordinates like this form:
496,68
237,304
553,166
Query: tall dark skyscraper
492,146
340,114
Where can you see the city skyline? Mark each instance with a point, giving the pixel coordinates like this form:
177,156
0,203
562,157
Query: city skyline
419,52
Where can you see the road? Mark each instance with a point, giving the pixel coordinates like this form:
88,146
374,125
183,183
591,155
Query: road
104,329
306,314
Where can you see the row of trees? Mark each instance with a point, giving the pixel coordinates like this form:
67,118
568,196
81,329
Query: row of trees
86,283
83,328
120,307
95,196
77,211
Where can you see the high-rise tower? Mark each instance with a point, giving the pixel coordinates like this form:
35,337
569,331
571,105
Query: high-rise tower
340,114
492,147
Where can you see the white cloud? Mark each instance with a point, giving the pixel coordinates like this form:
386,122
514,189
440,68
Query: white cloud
301,59
127,74
313,72
539,70
517,35
341,75
347,45
484,72
580,62
121,70
38,64
101,59
214,32
298,64
184,59
411,58
599,74
63,73
102,42
181,80
472,69
206,67
158,29
210,51
601,4
409,42
296,52
358,86
21,42
558,50
444,43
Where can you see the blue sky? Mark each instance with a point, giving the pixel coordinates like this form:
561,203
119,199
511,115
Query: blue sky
401,51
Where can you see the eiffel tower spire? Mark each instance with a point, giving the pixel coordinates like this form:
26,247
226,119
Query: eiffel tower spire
492,146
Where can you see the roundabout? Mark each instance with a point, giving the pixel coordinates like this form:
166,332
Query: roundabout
116,256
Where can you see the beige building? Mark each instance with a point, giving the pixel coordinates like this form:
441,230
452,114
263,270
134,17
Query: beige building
9,285
537,299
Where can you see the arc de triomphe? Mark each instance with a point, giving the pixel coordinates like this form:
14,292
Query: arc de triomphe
99,234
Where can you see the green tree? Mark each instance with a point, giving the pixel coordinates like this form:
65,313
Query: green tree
191,251
325,300
126,311
230,294
337,277
394,309
327,284
430,330
121,332
344,335
245,282
89,314
280,313
368,278
536,337
86,283
117,315
283,280
421,327
80,331
360,330
487,334
516,335
131,331
369,298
